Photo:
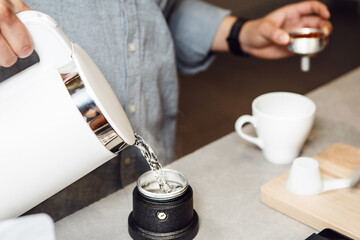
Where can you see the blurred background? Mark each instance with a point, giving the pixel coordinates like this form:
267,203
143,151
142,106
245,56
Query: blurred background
211,101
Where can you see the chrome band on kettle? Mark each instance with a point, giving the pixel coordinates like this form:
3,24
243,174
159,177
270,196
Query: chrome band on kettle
90,111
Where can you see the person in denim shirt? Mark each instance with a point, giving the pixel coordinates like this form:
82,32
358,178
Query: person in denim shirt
140,46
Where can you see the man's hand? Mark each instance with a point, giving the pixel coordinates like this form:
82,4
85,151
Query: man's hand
268,37
15,40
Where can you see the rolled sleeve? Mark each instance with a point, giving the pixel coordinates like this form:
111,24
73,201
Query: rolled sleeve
193,25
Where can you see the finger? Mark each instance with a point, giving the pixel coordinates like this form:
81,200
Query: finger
7,56
316,22
14,32
326,27
273,33
311,21
312,7
19,6
274,52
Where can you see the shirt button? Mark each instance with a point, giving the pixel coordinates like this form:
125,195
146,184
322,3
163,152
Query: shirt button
132,47
127,161
132,108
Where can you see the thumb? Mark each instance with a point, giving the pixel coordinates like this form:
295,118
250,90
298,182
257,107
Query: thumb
274,33
19,6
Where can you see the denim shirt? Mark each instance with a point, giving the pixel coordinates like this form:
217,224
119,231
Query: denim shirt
139,45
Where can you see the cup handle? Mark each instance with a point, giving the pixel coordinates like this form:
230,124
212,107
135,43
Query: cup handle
239,125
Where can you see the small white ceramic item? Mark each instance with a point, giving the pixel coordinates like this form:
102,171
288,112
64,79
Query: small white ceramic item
305,178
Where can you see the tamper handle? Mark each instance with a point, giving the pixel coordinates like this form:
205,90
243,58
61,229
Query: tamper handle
305,63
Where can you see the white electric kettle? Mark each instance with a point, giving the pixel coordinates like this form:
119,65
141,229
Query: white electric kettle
59,120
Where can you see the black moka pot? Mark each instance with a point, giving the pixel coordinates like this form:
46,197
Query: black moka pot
163,216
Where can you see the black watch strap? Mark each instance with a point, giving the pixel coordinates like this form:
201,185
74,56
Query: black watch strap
233,38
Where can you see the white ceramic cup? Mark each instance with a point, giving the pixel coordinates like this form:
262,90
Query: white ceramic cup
282,121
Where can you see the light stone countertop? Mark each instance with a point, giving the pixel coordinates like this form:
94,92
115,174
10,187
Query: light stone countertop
226,177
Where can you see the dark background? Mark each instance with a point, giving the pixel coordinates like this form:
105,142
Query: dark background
211,101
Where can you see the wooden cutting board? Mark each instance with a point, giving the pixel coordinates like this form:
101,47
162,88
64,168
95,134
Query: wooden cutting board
338,209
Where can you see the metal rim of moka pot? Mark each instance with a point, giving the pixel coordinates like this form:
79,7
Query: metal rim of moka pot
171,176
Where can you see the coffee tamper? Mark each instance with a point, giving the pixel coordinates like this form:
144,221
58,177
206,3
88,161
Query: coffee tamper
161,215
307,42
